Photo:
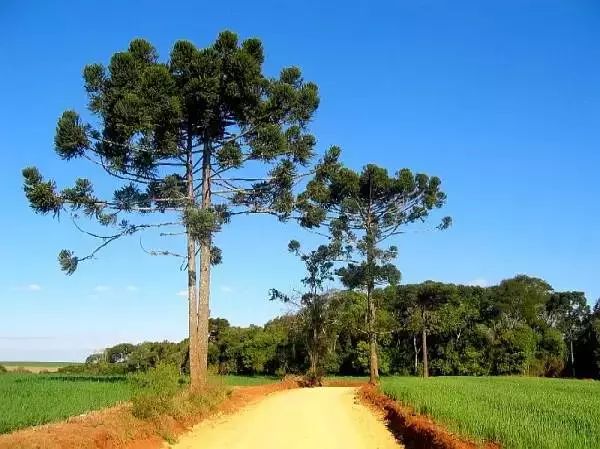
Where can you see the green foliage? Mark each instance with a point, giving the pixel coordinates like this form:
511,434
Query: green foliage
169,133
3,369
316,310
154,391
587,345
203,222
362,210
517,412
128,358
468,334
41,194
34,399
522,298
360,359
160,121
71,139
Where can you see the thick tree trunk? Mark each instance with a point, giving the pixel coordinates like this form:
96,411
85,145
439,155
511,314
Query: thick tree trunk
425,357
373,360
195,379
204,293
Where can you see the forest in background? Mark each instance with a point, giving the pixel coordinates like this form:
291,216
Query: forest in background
518,327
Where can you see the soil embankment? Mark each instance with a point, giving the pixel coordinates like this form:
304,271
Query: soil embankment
415,431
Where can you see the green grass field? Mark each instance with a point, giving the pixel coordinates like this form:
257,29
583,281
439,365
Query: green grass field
33,399
517,412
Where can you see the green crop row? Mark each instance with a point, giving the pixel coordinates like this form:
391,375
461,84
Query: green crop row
33,399
517,412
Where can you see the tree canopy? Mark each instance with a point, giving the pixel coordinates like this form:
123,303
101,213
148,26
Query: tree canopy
195,140
364,209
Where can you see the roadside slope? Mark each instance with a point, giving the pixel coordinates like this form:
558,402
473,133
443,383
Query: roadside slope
319,418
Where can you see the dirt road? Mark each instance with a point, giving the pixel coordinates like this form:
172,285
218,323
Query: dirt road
306,418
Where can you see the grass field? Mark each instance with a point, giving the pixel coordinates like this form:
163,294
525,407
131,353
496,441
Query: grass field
35,367
517,412
33,399
30,399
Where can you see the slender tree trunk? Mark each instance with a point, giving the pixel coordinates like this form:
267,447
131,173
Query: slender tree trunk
204,293
373,360
416,355
195,376
315,350
572,358
314,365
425,360
370,241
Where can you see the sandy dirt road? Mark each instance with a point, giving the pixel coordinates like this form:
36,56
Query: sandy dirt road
306,418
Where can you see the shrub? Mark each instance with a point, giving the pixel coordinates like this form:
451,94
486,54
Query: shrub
3,369
154,391
95,369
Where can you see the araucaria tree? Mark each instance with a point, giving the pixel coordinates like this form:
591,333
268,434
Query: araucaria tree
424,307
315,311
197,139
366,209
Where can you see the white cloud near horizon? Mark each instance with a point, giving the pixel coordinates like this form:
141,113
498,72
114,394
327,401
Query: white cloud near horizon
182,293
101,288
226,289
132,288
479,283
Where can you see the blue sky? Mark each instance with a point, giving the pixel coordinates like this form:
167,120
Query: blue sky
501,99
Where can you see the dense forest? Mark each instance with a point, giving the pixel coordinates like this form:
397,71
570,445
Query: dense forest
519,327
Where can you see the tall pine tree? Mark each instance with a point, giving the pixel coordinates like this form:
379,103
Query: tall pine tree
197,139
366,209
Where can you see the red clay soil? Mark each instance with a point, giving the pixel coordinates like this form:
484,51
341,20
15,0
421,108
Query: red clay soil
117,428
415,431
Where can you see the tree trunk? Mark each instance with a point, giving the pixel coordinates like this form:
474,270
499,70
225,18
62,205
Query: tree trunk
370,278
373,360
315,350
204,293
195,376
572,359
416,355
195,380
425,361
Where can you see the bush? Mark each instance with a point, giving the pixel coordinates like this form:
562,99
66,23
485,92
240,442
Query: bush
154,391
3,369
95,369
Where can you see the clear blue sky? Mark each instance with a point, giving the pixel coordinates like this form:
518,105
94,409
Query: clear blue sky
501,99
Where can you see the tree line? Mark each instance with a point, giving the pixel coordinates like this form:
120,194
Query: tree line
518,327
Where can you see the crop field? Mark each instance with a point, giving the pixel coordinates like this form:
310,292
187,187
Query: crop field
517,412
32,399
35,367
